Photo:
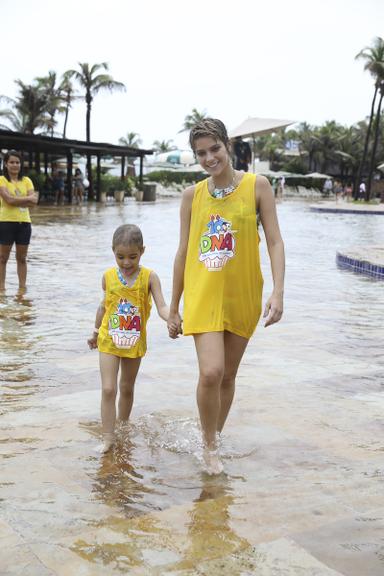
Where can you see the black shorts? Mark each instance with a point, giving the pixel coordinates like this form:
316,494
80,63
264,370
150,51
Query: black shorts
15,233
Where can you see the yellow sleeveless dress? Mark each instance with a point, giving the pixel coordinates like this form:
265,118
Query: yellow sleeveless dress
223,282
127,309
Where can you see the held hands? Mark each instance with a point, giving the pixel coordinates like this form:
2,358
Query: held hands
174,323
273,310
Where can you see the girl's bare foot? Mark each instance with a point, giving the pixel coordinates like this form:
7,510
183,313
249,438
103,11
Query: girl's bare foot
107,444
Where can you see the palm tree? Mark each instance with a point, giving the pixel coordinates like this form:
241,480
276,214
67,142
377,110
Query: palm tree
348,150
54,97
163,145
191,119
16,121
374,63
326,138
28,111
92,83
132,140
375,141
67,95
273,148
307,144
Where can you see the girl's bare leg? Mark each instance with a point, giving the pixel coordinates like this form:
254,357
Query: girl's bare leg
234,347
5,251
21,259
109,367
129,368
210,354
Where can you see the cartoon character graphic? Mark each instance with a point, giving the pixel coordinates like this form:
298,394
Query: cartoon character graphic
124,325
217,245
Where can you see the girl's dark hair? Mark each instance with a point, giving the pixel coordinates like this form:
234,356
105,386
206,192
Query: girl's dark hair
7,156
127,235
209,127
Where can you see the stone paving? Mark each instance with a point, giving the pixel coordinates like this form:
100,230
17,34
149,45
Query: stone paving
302,492
303,449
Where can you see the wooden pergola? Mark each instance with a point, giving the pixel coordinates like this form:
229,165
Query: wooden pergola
50,148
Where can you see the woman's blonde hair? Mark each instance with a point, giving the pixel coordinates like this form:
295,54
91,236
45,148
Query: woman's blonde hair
209,127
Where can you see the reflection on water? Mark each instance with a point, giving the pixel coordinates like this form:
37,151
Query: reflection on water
17,316
155,465
208,536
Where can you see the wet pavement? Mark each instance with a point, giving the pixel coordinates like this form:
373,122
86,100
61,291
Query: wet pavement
303,447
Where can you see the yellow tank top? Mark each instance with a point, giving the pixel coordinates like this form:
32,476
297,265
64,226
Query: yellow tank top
222,280
123,329
10,213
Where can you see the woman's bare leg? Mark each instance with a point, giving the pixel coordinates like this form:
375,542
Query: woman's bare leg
129,368
5,251
210,354
109,367
21,259
234,347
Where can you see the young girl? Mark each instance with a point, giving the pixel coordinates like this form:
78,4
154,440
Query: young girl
217,266
120,326
78,186
16,195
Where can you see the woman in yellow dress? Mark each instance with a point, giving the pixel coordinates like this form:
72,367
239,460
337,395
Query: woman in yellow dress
217,266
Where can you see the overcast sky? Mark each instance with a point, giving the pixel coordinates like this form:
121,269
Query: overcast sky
290,59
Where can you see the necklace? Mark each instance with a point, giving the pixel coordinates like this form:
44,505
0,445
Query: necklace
222,192
125,282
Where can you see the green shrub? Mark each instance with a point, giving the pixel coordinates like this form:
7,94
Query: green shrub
111,184
167,177
39,180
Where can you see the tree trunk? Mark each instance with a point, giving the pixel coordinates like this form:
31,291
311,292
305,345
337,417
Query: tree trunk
375,141
88,99
310,158
364,157
91,193
66,121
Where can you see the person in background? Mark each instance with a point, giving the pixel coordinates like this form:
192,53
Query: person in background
17,196
242,153
280,188
275,185
58,186
362,190
338,190
327,188
348,191
78,186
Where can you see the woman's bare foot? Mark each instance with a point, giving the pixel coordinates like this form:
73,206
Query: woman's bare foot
213,464
107,444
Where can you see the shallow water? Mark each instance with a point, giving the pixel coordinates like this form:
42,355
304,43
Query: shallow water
307,411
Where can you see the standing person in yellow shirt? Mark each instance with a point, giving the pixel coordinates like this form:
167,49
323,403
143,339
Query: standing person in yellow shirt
16,195
217,266
120,331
